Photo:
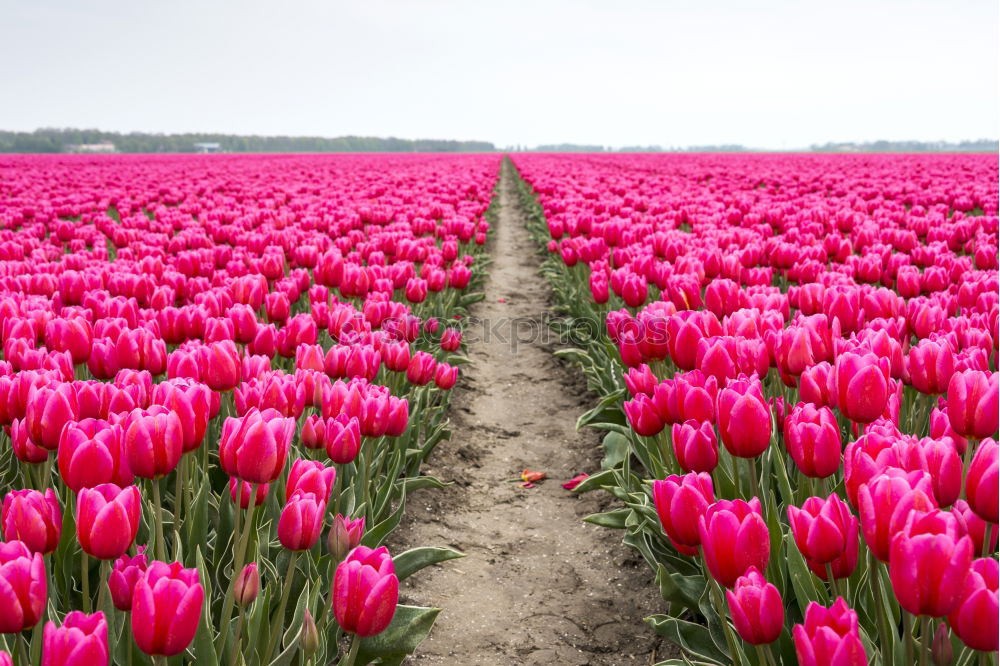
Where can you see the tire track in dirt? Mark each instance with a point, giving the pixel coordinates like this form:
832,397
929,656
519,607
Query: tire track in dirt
538,586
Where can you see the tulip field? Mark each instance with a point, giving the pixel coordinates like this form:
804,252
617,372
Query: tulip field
219,380
831,321
222,375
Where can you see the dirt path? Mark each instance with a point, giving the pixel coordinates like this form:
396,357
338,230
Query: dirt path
538,586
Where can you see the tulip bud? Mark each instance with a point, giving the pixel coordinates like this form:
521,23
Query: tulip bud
941,652
309,638
345,534
756,608
247,585
125,572
82,640
166,608
365,591
33,518
5,659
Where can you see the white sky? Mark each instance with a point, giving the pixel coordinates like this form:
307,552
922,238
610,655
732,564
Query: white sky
778,74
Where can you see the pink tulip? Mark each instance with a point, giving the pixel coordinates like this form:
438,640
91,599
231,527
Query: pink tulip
166,608
365,591
756,608
829,637
734,537
82,640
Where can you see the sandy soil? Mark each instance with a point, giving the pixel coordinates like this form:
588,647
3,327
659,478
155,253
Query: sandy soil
538,586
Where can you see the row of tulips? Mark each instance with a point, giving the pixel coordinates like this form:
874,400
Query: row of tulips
216,395
797,359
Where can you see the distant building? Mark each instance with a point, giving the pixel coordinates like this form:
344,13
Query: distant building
208,147
103,147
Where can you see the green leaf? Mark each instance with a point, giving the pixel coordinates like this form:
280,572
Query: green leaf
608,410
415,559
803,581
374,537
616,447
685,590
694,639
421,482
409,627
595,481
614,519
204,639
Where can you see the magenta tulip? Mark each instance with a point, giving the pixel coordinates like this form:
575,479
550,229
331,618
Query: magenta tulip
82,640
973,619
928,562
743,417
107,520
32,518
301,521
680,502
365,591
829,636
125,573
756,608
734,537
23,587
166,608
254,447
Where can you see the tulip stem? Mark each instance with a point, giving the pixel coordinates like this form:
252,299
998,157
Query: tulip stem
237,637
834,588
22,651
987,549
278,622
161,547
352,656
754,482
178,505
907,637
926,634
720,608
764,656
239,558
85,580
105,574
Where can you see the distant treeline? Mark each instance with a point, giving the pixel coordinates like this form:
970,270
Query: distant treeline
977,146
66,140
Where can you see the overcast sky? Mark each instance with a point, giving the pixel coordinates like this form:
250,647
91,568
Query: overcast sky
777,74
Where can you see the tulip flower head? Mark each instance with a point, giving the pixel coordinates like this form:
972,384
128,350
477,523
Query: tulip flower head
166,608
82,640
365,591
